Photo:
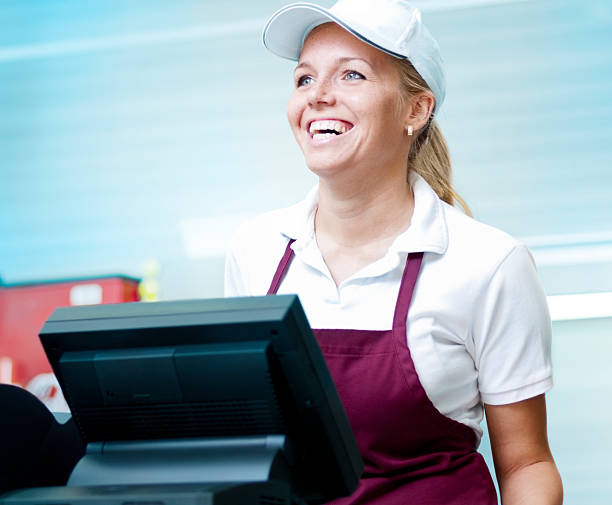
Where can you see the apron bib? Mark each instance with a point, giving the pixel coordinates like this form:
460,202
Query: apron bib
412,453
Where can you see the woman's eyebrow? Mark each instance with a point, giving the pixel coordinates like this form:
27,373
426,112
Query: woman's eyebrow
338,61
301,65
346,59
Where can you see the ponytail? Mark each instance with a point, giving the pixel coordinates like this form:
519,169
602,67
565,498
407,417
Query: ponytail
429,155
430,158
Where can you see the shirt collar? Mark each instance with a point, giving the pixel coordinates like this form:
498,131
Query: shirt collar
298,220
427,231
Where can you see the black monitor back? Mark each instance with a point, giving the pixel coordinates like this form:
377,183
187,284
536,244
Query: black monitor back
199,369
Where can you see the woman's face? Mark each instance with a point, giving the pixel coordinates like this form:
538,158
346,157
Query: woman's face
345,110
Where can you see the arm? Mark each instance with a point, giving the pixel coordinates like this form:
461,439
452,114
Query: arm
525,469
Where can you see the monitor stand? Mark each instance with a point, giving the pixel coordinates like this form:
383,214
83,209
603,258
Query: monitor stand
215,471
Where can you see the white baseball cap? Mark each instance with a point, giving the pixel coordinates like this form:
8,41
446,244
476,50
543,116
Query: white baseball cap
393,26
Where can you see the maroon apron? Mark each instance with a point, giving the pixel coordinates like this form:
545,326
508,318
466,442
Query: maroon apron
413,454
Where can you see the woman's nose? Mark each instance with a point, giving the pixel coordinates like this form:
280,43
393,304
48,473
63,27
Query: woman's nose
321,93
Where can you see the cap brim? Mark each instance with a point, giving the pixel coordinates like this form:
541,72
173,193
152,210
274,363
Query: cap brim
286,30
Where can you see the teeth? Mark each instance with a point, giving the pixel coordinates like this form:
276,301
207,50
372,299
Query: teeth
321,136
328,124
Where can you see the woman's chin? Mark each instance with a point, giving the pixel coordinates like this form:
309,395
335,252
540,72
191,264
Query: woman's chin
325,168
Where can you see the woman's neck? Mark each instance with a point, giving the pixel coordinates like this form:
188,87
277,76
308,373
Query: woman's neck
369,210
356,224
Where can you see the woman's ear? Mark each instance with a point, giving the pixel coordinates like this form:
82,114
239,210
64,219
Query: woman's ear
421,108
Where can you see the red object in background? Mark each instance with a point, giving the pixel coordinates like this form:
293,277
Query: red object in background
24,308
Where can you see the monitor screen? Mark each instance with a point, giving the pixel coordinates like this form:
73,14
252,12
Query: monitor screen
200,369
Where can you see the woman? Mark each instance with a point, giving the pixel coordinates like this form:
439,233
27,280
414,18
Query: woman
425,316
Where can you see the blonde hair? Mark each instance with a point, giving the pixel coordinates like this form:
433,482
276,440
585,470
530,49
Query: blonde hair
429,155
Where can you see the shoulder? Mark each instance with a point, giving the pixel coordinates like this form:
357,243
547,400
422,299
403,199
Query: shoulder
481,269
456,240
481,249
254,252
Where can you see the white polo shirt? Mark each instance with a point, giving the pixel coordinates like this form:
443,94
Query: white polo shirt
478,325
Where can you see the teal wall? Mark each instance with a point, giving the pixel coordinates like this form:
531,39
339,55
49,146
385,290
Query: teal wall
150,129
131,130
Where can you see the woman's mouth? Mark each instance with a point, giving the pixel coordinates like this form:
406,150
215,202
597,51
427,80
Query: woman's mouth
327,128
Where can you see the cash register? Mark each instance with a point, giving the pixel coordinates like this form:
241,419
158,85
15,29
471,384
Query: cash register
218,401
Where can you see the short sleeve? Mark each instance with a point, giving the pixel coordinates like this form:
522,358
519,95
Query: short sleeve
512,333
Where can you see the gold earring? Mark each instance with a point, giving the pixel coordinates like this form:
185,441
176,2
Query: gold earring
409,130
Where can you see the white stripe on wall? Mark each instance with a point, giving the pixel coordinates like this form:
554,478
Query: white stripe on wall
448,5
79,46
580,306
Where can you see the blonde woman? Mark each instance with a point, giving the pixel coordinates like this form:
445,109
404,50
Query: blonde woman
426,317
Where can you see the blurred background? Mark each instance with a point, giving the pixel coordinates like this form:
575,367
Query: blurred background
135,136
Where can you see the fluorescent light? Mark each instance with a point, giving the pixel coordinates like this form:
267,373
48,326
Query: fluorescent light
580,306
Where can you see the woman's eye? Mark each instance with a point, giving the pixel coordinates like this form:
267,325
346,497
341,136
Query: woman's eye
305,79
352,75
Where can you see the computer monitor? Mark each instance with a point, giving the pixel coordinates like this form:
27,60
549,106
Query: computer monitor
206,373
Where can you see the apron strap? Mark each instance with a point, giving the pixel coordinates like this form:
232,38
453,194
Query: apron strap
404,297
282,268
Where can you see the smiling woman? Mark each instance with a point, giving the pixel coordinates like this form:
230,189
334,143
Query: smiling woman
425,316
355,86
